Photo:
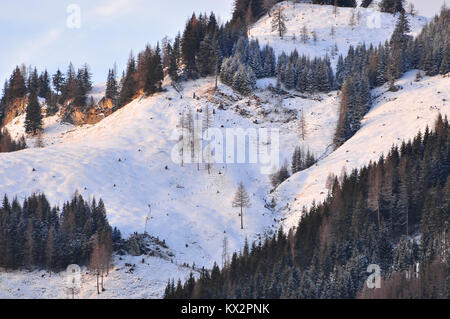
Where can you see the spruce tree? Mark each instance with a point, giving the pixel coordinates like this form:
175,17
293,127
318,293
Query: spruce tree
129,85
58,81
33,118
111,86
16,87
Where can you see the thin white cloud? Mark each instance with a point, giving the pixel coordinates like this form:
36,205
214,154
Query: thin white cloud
41,42
114,7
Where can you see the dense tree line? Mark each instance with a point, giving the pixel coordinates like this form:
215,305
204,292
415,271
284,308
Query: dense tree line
371,216
247,63
305,75
8,144
36,235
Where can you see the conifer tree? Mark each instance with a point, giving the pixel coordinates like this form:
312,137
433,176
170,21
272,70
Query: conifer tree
129,85
16,87
58,81
33,118
44,85
111,86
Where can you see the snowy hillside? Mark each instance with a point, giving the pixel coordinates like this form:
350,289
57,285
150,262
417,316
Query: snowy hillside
395,117
123,160
371,27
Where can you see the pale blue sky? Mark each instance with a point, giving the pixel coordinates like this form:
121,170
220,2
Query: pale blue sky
36,32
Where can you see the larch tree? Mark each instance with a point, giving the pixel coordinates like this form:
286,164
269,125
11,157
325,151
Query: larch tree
95,264
241,200
304,35
207,124
302,125
279,22
99,263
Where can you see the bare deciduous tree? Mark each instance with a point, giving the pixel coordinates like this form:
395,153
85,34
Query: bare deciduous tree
241,200
99,264
279,22
304,35
302,125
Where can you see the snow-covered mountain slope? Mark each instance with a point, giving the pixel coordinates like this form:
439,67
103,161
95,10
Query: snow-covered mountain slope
123,160
395,117
372,27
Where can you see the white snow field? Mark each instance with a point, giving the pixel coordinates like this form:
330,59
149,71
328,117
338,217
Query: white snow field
372,27
394,117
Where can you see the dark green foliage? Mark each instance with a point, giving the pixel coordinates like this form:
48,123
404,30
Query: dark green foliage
392,6
16,87
302,160
154,74
58,81
190,45
33,82
327,255
33,118
112,89
339,3
128,83
35,235
366,3
44,85
175,59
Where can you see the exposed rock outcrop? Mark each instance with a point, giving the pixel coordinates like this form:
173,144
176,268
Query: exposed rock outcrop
13,109
87,115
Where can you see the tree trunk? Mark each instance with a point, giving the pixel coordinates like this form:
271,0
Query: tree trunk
98,287
407,222
379,221
242,218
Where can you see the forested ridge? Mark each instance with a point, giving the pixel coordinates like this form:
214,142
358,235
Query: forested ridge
394,213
